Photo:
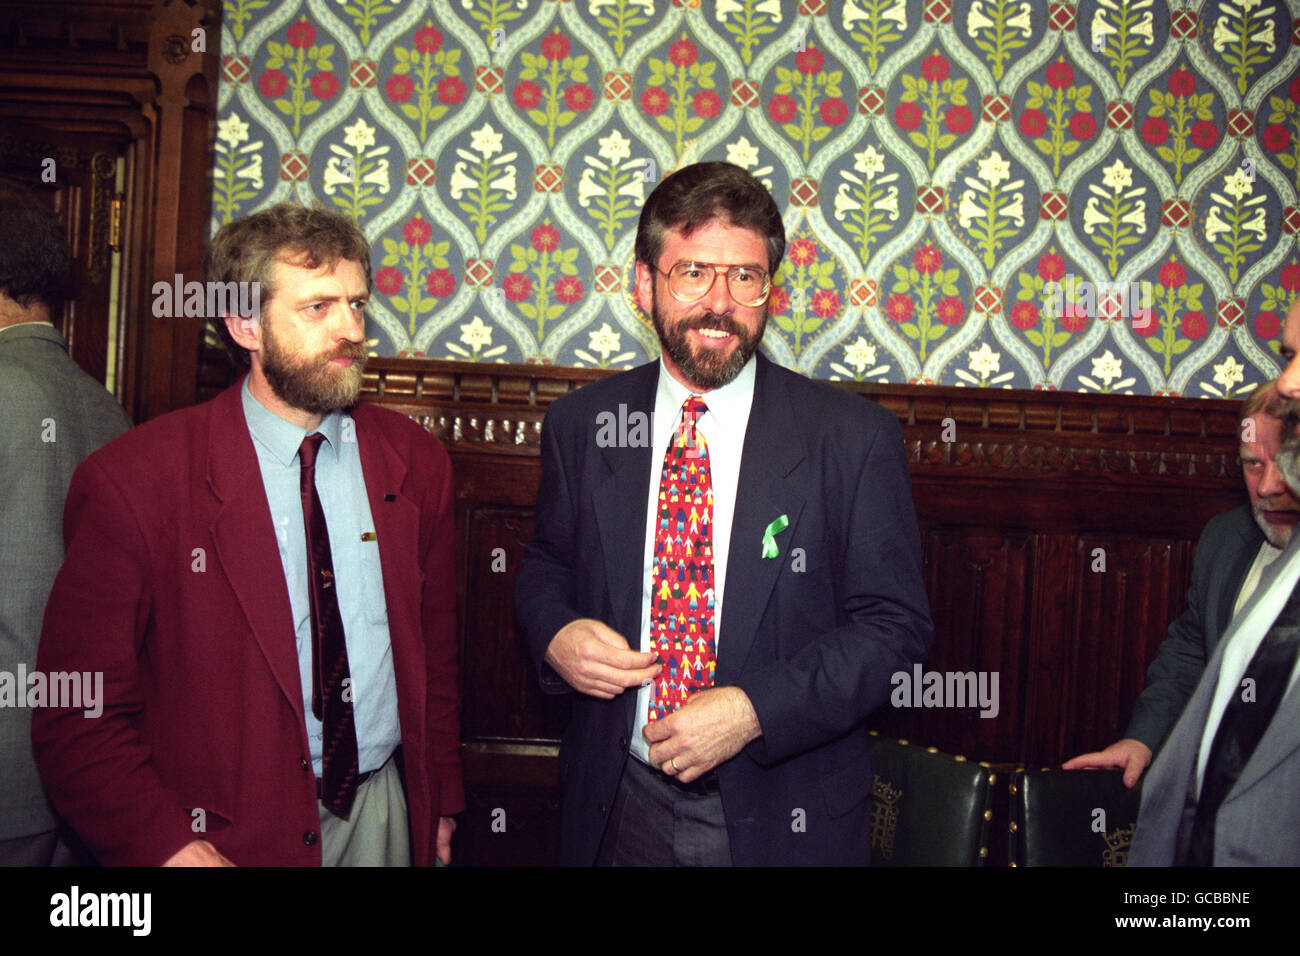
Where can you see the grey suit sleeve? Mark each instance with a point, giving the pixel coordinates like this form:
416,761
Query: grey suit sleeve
1174,674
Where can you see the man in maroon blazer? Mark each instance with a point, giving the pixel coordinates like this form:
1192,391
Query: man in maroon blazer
192,583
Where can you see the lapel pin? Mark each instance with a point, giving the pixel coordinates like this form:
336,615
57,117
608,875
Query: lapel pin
367,536
770,549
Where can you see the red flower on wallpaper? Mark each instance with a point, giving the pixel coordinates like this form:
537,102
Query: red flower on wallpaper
1033,123
706,104
1205,134
782,108
802,252
825,303
579,97
1155,130
950,311
389,281
545,238
399,88
935,68
1172,275
927,259
301,34
555,46
417,231
958,119
1268,325
527,95
1275,137
1074,317
1051,267
1294,90
1290,277
441,283
517,287
451,90
899,308
1060,75
907,116
568,289
272,84
428,39
834,111
1083,126
324,85
1195,325
654,100
1024,315
778,300
1182,83
683,53
810,61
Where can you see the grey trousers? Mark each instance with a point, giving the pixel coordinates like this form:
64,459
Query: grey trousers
376,832
655,823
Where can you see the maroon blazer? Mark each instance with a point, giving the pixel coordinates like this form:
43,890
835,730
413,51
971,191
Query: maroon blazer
173,588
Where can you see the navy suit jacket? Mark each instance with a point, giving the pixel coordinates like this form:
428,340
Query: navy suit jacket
1224,554
812,636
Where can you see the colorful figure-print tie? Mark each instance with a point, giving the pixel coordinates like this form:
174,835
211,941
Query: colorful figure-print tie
683,598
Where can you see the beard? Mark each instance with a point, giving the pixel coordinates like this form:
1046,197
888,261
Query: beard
1288,456
707,368
312,384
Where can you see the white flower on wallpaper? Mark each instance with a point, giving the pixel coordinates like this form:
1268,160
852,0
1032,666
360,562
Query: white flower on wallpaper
1225,35
357,171
1227,375
744,154
984,363
853,11
593,6
977,21
1234,222
1107,369
482,185
859,362
604,341
612,187
725,8
235,159
477,336
1108,211
867,202
987,209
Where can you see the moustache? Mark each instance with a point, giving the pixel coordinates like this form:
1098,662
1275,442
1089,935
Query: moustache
711,320
356,352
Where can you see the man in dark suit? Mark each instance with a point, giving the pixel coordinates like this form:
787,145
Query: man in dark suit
52,415
270,583
729,589
1233,551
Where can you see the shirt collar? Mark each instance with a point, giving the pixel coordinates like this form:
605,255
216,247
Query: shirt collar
281,438
729,404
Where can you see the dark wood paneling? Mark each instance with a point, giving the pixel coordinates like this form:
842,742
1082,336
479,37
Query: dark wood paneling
1010,509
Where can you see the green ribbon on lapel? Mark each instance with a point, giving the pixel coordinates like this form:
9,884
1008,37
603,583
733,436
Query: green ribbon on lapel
770,549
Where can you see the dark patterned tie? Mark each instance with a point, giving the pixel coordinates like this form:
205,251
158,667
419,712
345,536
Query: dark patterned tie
682,599
1243,724
331,699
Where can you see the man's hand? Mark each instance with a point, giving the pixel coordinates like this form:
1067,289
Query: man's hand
446,827
198,853
595,659
710,729
1131,756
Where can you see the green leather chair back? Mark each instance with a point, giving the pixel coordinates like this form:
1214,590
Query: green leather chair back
1071,818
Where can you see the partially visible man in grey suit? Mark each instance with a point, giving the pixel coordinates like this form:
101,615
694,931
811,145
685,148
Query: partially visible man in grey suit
52,415
1233,551
1223,790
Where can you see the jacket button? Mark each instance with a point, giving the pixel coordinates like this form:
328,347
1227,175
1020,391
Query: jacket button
622,743
310,838
602,809
305,765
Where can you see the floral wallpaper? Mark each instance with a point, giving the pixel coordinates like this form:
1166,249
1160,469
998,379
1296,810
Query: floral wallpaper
1092,196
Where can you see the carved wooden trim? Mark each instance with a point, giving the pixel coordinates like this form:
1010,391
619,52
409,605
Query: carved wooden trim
481,408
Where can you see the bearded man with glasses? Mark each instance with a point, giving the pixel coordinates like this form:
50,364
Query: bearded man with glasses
698,737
